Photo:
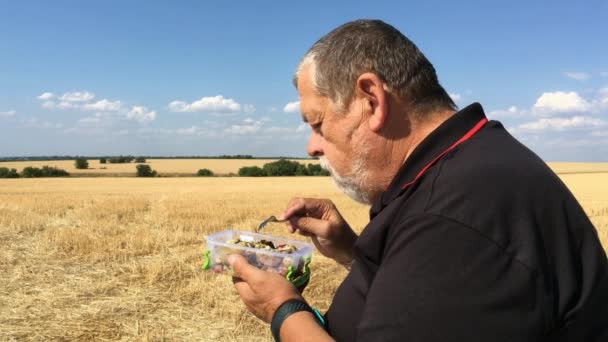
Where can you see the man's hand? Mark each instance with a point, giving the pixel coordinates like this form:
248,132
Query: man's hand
319,219
262,292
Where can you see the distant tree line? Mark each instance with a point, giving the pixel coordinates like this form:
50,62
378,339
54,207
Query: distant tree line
33,172
223,156
83,163
283,167
121,160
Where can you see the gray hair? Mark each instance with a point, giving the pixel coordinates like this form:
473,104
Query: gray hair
337,59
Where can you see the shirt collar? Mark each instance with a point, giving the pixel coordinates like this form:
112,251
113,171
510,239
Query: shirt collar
432,146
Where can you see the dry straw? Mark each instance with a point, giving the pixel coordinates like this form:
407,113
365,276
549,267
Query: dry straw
118,258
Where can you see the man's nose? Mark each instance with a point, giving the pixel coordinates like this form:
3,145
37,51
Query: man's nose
313,147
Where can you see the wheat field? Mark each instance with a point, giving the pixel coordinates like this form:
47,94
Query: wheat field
119,258
162,166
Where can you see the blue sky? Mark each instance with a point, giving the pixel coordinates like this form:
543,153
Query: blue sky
209,78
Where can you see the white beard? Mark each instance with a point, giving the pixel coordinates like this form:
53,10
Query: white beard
352,184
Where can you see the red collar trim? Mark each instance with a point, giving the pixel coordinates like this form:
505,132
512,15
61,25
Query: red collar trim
464,138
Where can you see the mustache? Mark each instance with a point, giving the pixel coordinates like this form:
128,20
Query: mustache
325,164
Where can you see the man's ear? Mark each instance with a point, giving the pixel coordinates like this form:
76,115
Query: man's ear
370,89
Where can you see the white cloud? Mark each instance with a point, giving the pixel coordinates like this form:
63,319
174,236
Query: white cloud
90,120
141,114
560,102
455,97
60,105
579,76
83,100
204,132
152,130
248,120
279,130
511,112
601,103
36,123
99,119
188,131
66,105
46,96
214,104
48,104
85,130
561,124
77,96
292,107
103,106
302,128
244,129
194,130
249,109
604,73
7,114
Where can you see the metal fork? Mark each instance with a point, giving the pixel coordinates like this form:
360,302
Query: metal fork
268,220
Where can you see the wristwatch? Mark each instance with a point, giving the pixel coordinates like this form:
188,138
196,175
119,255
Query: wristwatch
287,309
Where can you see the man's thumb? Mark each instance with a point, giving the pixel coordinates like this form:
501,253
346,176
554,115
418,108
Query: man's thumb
241,268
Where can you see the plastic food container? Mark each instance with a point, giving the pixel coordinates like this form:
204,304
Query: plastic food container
293,266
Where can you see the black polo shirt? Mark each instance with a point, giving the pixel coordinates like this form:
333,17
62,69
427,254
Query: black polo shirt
479,243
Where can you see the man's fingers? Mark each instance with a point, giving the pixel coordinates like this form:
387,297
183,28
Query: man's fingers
242,269
294,207
305,207
310,226
242,287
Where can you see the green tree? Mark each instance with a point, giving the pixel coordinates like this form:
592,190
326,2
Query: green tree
251,171
140,160
102,160
121,159
81,163
281,167
5,172
204,173
302,170
45,171
144,170
317,170
31,172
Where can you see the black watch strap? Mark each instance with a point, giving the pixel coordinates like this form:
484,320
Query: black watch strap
285,310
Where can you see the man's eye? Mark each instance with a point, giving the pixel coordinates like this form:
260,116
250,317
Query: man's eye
316,128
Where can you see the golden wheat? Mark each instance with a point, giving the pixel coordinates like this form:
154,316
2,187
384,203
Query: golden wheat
566,168
119,258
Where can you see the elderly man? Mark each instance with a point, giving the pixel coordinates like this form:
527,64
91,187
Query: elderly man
471,236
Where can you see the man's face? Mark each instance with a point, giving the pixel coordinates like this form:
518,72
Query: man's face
336,138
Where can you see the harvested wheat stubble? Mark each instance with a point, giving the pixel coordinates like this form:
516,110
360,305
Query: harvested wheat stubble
119,258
